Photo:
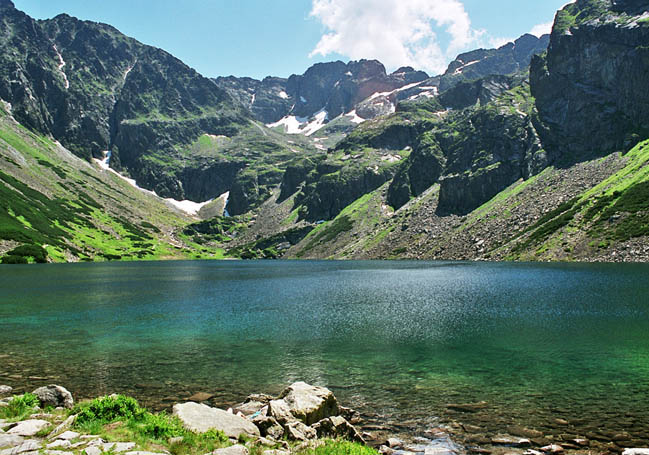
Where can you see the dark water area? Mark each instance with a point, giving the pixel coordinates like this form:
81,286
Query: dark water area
398,341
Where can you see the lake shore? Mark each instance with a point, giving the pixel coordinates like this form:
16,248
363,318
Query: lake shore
271,432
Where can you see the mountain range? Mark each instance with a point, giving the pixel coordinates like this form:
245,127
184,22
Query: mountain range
537,150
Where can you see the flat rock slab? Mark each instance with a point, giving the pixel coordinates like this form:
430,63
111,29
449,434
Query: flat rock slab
92,450
26,446
118,447
7,440
68,435
201,418
636,452
59,444
232,450
29,427
141,452
56,452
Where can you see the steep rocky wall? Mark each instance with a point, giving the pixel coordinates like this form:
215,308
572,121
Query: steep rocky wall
591,87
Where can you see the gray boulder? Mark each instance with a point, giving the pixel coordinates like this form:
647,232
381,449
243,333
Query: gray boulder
55,396
297,431
201,418
280,411
308,403
269,427
5,390
337,427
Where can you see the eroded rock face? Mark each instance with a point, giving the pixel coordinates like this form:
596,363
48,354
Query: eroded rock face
55,396
591,87
201,418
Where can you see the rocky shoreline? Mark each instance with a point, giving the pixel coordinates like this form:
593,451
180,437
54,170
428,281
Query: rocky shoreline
300,420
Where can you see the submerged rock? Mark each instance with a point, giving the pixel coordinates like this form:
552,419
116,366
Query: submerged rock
55,396
201,418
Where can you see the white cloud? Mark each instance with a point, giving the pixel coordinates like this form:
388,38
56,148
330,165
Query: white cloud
546,28
397,32
542,29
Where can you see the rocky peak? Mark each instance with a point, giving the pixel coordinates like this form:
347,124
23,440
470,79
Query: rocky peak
6,4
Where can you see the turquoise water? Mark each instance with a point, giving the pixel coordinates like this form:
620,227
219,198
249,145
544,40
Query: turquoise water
396,340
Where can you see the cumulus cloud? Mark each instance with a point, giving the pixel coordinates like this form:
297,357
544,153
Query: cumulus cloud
542,29
397,32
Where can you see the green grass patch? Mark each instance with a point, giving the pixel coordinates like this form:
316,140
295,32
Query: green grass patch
120,418
20,407
339,447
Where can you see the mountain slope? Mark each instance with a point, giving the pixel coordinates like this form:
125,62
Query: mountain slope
504,174
55,206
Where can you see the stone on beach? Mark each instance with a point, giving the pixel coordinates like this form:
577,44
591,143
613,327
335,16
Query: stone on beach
338,427
55,396
297,431
308,403
201,418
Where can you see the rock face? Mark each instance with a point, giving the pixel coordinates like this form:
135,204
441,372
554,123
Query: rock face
334,87
507,59
55,396
590,88
200,418
94,89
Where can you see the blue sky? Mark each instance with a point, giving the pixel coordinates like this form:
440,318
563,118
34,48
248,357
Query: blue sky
280,37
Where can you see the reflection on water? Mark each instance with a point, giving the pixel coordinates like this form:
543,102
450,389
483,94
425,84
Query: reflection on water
396,340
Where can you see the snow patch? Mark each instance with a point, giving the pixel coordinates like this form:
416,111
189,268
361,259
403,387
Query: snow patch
461,68
254,97
407,87
320,119
291,124
349,73
129,69
283,95
303,99
61,66
378,94
189,207
354,117
302,125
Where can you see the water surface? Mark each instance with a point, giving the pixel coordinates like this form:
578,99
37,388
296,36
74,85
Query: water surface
396,340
